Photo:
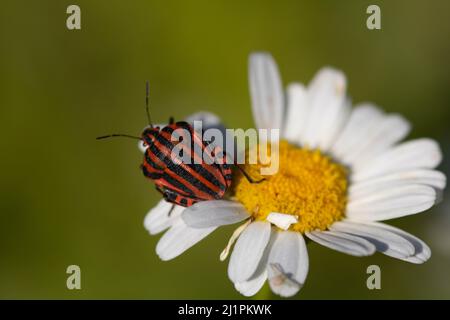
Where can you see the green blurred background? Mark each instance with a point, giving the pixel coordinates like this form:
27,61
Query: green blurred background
68,199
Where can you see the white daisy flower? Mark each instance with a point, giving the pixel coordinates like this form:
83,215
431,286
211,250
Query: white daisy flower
341,171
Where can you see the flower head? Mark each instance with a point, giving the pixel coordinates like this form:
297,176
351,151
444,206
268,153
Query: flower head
341,171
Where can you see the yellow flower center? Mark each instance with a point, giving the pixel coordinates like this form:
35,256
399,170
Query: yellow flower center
308,185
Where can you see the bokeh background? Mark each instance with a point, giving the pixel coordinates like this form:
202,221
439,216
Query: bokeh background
66,198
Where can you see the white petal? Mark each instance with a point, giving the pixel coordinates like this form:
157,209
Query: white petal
248,251
266,91
414,154
288,263
428,177
326,99
281,220
421,251
179,238
385,241
296,114
361,121
328,139
161,217
393,202
141,146
392,129
253,285
236,233
343,242
214,213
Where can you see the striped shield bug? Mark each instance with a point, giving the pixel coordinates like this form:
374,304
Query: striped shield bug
182,182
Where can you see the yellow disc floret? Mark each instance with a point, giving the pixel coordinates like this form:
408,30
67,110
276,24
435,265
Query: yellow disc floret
308,185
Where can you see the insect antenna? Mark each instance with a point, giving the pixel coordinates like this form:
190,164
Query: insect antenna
114,135
247,176
147,93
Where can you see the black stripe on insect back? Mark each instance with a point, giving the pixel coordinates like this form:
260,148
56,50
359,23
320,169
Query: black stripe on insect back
148,174
186,126
208,175
162,155
150,161
195,151
177,184
198,147
177,169
180,171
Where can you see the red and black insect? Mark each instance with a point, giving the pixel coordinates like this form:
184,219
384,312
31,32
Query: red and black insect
179,182
183,183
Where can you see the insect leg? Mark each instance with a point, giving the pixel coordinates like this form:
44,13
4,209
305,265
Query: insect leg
161,190
247,176
171,209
